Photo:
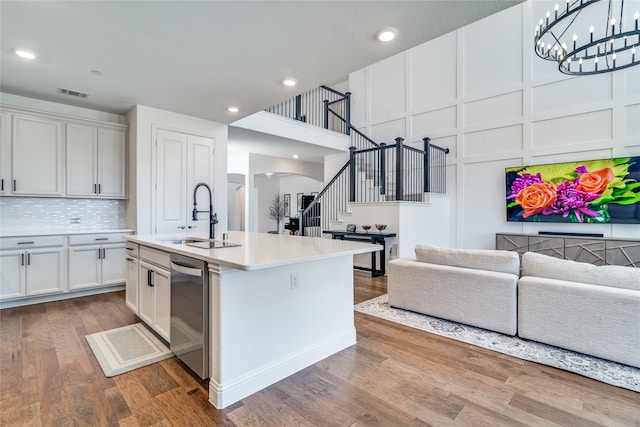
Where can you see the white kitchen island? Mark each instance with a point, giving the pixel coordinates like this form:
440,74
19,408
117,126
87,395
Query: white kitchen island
277,303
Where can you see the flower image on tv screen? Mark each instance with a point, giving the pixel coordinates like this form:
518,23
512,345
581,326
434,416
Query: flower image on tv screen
592,191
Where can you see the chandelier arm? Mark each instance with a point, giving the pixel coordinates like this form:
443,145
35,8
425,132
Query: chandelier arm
553,49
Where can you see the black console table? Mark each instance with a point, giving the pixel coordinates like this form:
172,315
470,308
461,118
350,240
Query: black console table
373,237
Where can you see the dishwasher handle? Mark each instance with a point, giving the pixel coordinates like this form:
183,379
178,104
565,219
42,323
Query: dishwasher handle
189,271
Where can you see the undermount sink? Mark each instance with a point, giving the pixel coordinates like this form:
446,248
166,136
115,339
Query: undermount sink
202,243
211,244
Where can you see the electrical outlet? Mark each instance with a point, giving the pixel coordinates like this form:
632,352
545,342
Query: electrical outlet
295,281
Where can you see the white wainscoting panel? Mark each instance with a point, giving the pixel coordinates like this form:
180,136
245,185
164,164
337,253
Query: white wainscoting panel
432,79
493,141
358,89
632,121
450,142
577,156
579,128
569,92
443,119
484,201
387,132
632,81
499,107
492,52
388,89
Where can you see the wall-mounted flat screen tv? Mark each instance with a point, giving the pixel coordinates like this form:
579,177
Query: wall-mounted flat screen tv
592,191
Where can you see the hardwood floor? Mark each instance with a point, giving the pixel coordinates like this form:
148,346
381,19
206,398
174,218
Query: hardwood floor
394,376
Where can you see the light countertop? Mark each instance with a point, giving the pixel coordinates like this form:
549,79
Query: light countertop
62,232
259,250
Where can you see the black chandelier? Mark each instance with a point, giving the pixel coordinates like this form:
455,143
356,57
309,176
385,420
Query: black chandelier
612,46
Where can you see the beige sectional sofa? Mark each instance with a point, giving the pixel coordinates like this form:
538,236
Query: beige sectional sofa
581,307
577,306
476,287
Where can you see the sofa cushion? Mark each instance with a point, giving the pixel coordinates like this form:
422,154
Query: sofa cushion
479,259
539,265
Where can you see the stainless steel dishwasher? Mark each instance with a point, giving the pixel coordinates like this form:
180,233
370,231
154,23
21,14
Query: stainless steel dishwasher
190,313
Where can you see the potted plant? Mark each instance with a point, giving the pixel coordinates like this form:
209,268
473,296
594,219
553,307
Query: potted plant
276,210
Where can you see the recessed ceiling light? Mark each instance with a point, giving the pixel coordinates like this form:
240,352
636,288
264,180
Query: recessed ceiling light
386,34
24,53
233,109
295,156
289,82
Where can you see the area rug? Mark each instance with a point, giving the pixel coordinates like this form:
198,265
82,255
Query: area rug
592,367
125,349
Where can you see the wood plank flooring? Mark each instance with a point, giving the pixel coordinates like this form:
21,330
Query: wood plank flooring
394,376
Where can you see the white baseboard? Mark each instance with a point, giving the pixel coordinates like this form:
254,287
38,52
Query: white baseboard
223,395
57,297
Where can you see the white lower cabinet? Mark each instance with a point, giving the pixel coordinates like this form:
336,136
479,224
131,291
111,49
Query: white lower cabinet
132,283
154,297
92,265
33,271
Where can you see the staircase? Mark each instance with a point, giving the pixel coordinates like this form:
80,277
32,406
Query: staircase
374,173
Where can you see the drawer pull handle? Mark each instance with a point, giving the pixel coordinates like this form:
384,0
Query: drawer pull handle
26,243
101,238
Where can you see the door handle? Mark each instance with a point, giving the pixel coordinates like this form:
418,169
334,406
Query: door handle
2,185
99,188
28,259
104,253
182,227
99,253
149,278
95,188
14,185
22,261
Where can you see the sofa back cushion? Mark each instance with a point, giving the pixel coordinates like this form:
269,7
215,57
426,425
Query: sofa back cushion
479,259
539,265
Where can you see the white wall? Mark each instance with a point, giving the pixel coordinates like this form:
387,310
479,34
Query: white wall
257,197
143,123
482,92
294,184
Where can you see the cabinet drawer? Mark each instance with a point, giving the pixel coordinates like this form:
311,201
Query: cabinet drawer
96,239
133,249
31,242
155,256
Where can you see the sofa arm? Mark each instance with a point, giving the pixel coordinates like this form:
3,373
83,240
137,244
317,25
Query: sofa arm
598,320
486,299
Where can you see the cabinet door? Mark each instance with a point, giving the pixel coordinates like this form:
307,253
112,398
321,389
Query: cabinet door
171,182
114,264
46,271
132,284
12,274
162,288
5,155
111,163
36,156
199,169
84,267
146,300
82,164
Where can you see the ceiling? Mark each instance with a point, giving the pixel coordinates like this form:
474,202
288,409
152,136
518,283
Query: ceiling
199,57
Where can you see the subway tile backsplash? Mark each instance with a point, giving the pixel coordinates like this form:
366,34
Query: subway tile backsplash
43,214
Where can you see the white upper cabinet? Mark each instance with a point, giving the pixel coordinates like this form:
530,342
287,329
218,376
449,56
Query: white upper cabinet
95,161
182,161
5,154
37,153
